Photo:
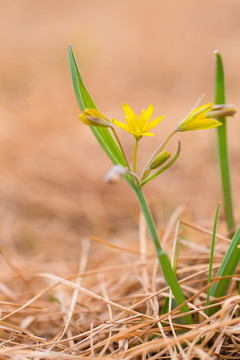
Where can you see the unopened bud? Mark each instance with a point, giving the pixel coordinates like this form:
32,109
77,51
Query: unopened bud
115,174
93,117
221,111
160,159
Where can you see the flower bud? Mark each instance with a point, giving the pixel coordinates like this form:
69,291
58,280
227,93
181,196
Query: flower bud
92,117
220,111
160,159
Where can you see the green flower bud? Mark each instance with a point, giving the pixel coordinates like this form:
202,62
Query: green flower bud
160,159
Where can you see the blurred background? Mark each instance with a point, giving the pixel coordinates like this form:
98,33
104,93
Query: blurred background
52,188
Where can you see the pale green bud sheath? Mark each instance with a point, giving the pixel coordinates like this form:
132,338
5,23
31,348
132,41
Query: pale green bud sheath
145,178
159,160
222,110
156,162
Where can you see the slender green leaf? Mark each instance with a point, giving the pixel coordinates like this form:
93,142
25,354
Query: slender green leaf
228,267
211,256
85,101
222,145
165,308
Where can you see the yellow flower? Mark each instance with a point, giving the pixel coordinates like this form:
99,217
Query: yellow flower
138,126
198,120
92,117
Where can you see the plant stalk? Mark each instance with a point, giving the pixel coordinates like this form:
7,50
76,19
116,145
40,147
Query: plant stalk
169,276
135,156
120,146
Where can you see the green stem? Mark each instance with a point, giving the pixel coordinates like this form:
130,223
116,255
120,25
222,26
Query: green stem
222,146
121,148
135,156
169,276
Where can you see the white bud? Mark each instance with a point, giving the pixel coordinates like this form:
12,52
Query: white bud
115,174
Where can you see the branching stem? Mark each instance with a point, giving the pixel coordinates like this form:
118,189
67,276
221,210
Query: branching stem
159,149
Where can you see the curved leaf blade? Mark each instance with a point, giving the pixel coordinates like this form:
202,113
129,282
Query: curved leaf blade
85,101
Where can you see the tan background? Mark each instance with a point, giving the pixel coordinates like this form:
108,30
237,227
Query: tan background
52,186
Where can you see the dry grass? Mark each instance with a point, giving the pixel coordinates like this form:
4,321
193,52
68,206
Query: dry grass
113,311
62,293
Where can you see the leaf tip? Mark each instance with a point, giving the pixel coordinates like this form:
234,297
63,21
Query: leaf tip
69,48
217,53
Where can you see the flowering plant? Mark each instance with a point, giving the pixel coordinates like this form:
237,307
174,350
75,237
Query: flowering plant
160,161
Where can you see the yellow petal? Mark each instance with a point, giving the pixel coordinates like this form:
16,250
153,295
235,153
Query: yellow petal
94,112
154,123
147,134
130,116
148,113
92,117
197,120
203,123
138,126
120,124
142,118
128,111
202,110
85,120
